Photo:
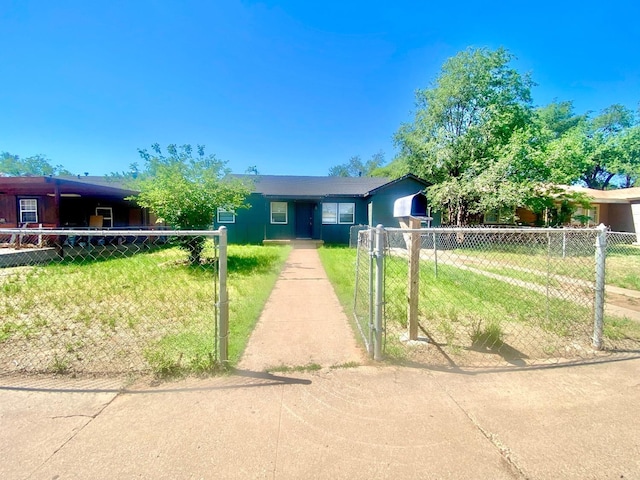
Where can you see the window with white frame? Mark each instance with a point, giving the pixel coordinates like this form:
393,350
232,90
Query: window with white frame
346,213
329,213
28,210
226,215
279,212
107,216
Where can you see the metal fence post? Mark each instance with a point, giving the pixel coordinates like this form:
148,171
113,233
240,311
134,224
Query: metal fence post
435,253
372,240
379,254
223,302
601,256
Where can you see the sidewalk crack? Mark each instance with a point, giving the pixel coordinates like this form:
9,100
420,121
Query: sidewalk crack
505,452
91,417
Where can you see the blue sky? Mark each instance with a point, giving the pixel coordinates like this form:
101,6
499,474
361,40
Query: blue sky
292,87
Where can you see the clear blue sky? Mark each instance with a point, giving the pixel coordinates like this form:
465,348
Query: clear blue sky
292,87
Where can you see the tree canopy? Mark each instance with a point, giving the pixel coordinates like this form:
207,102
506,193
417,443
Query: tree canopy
469,136
476,136
356,167
36,165
185,188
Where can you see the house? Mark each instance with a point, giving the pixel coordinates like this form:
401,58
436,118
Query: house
318,208
68,202
617,209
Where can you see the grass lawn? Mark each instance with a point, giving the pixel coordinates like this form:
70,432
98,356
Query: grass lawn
467,310
622,263
123,313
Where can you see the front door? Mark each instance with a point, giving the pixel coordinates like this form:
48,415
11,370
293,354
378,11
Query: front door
304,219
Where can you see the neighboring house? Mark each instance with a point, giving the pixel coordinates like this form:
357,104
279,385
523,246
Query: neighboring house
320,208
67,202
617,209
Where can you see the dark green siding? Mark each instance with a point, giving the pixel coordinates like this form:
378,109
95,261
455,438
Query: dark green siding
339,233
253,224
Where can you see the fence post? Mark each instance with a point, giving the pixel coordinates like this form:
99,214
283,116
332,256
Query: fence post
601,256
435,253
370,338
379,254
414,278
223,301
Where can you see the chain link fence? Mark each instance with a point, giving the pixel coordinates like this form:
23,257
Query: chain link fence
490,296
111,302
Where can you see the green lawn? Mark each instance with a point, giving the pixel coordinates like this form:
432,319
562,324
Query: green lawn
464,309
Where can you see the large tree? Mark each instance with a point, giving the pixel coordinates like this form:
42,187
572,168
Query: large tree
470,135
185,190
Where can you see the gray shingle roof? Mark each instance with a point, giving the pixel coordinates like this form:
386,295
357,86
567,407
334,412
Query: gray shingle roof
302,186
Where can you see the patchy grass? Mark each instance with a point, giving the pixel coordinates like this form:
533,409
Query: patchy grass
110,313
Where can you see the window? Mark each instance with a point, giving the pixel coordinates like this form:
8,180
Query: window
347,213
329,213
107,216
28,210
585,216
503,216
338,213
226,215
279,212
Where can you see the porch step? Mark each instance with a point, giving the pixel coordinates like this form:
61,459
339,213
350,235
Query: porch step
296,243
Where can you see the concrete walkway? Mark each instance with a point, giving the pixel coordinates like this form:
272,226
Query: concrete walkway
302,323
373,421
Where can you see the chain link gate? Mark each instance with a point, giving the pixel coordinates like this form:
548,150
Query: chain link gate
111,301
498,296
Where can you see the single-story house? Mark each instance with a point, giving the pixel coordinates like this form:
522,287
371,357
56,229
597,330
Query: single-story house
318,208
618,209
68,202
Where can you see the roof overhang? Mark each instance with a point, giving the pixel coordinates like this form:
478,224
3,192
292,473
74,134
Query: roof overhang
50,186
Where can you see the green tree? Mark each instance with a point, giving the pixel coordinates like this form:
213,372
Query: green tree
185,190
470,135
596,151
36,165
628,163
355,167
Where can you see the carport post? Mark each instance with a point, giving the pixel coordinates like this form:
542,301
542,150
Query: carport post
223,300
601,257
379,253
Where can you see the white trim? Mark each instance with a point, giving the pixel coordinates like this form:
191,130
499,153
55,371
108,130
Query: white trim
286,213
22,209
107,220
331,211
353,213
224,210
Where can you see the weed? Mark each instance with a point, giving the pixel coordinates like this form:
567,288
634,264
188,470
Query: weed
345,365
59,365
310,367
488,337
